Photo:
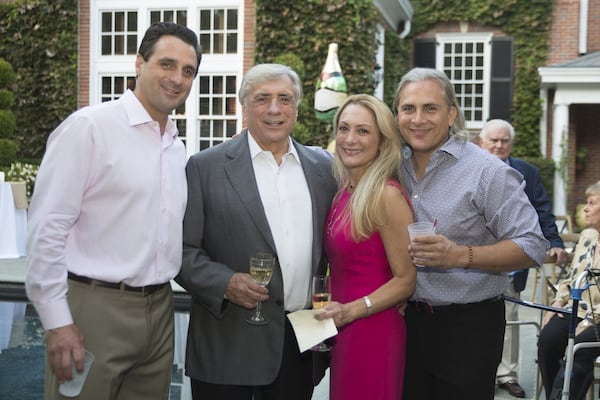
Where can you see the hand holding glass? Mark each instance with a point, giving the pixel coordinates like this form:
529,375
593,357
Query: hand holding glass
420,229
321,296
261,270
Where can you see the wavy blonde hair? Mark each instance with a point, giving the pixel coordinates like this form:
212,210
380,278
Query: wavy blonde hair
365,209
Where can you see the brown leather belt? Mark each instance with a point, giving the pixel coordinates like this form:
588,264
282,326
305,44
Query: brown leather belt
143,290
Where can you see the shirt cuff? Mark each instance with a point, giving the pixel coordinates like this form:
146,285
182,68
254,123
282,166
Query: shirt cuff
54,315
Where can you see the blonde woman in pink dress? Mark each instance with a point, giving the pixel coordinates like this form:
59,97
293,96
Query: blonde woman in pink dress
366,242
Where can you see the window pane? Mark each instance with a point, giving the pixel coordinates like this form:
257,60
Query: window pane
219,19
218,43
217,106
131,44
120,22
106,87
106,45
217,84
205,20
230,85
181,109
205,43
106,22
204,107
230,105
119,44
204,84
232,19
119,84
168,16
231,128
204,128
132,22
218,131
182,17
154,17
231,43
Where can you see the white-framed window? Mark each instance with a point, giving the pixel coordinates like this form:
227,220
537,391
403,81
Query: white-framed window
119,32
211,114
217,98
113,86
219,30
466,59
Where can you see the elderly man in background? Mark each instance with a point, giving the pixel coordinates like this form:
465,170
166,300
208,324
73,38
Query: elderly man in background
497,137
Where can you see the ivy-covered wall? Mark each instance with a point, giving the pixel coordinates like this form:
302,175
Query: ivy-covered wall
39,39
528,22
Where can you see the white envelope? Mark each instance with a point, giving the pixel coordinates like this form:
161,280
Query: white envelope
309,330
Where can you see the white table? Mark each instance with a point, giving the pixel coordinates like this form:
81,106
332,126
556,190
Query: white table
13,220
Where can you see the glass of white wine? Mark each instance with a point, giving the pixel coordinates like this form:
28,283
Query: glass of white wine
321,296
261,270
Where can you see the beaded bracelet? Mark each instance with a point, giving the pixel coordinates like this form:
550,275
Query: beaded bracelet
470,263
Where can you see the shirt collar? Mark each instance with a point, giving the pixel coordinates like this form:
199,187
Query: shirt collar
255,149
137,114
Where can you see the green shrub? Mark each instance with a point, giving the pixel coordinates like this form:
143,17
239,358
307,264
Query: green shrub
7,74
8,124
7,99
8,152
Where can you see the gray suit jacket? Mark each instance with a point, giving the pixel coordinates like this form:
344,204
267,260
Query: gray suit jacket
224,224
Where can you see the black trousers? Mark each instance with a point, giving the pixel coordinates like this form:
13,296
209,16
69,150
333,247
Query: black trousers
552,345
294,382
453,352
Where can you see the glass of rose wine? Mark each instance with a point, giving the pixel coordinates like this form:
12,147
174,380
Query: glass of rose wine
261,270
321,296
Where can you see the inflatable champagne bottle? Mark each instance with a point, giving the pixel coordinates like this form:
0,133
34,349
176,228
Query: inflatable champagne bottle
331,87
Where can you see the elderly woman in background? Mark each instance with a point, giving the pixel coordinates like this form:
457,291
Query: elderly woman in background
555,326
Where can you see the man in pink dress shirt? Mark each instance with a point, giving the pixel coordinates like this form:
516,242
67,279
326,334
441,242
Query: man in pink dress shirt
105,229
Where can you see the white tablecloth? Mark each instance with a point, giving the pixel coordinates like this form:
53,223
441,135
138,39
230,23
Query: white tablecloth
13,224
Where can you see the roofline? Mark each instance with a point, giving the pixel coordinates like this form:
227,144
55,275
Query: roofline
550,75
395,12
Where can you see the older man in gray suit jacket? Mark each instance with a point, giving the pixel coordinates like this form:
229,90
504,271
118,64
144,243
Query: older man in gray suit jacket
260,191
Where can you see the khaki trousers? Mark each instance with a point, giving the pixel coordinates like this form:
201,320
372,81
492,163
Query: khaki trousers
131,337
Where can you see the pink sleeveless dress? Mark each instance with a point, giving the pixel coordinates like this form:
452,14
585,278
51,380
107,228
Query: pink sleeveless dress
368,355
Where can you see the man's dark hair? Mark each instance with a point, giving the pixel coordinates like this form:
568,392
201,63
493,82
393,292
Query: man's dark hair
158,29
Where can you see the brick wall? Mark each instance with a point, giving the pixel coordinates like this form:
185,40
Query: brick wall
83,58
564,32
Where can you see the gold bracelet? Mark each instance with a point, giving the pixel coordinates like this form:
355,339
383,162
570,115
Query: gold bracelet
368,304
470,262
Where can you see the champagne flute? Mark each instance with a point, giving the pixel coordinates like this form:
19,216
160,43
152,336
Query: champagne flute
321,296
261,270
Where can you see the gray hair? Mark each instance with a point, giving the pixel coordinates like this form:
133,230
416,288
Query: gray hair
262,73
499,124
458,129
593,190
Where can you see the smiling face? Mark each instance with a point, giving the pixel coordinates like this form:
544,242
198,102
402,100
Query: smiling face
165,79
592,211
270,111
424,116
357,139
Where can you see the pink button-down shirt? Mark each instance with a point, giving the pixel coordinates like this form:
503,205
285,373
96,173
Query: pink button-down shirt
108,204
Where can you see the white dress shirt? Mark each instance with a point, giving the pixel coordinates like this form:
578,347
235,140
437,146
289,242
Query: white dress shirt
287,203
108,204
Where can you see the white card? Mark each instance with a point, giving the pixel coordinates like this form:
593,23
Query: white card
309,330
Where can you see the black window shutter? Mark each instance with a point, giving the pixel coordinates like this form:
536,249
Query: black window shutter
424,53
501,78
